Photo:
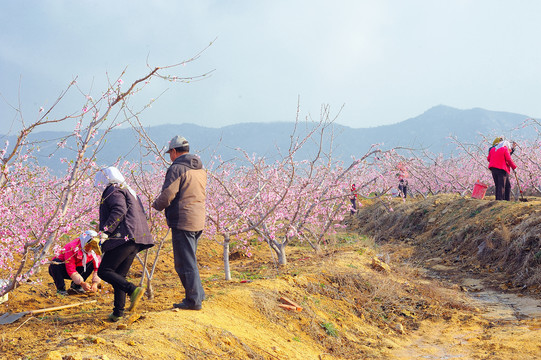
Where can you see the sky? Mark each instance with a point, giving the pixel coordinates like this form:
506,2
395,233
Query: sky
371,62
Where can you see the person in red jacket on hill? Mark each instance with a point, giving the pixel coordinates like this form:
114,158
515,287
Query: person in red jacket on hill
500,164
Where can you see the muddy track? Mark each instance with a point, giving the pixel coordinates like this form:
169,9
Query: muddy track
506,325
488,252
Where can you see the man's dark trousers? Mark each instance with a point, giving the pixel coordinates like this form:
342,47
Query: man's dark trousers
184,251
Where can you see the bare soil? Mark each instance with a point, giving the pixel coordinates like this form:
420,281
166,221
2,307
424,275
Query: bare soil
445,296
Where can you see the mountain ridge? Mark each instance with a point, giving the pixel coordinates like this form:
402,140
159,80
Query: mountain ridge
429,130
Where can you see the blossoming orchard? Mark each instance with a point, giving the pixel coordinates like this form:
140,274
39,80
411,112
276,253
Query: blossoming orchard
250,199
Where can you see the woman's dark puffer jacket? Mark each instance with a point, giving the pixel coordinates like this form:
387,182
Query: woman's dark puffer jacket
122,218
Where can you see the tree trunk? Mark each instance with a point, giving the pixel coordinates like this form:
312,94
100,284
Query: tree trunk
227,270
282,259
150,290
280,249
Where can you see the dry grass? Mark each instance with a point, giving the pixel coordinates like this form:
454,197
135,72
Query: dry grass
498,235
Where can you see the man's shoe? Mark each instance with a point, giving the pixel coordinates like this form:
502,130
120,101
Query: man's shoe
184,306
112,317
135,297
62,292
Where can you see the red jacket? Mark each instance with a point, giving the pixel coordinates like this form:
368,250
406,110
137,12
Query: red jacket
72,255
500,159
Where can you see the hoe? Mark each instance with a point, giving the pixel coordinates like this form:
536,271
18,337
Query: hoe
9,318
522,198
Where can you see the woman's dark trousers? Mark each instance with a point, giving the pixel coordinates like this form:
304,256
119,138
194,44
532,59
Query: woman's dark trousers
114,267
59,273
502,186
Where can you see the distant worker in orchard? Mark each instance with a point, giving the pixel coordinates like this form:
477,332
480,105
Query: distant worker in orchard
500,164
77,260
183,198
402,180
353,199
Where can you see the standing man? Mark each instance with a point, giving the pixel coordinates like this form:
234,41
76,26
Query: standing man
183,198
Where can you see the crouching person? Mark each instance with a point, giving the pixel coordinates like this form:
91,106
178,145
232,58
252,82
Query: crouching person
77,261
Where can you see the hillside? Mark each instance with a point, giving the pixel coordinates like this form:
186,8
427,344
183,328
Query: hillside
435,299
498,237
430,130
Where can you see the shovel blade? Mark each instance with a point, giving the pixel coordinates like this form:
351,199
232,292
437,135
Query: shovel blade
9,318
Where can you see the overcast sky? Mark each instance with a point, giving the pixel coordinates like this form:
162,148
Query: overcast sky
384,60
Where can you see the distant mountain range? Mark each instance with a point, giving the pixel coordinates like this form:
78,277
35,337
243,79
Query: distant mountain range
430,130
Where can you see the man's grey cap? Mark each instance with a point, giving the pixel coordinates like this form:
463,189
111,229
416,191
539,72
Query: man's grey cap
176,142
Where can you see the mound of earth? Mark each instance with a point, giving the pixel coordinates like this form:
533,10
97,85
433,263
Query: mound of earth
501,238
358,299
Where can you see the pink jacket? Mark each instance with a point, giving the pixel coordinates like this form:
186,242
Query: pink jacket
72,255
500,159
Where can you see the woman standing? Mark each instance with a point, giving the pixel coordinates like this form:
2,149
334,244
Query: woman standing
500,164
123,220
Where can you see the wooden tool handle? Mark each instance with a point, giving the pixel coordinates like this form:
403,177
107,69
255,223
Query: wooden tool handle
39,311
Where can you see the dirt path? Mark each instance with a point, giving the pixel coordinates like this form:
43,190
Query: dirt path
508,326
488,252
